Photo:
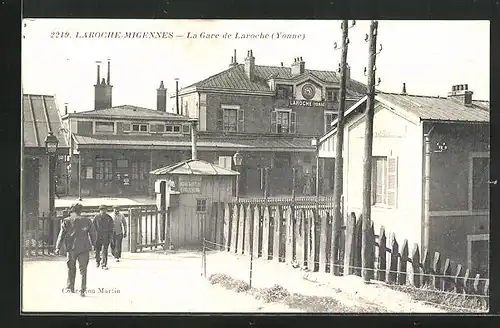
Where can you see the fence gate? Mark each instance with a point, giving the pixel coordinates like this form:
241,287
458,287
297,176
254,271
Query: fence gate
147,230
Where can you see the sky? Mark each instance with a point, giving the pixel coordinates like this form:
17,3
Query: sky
429,56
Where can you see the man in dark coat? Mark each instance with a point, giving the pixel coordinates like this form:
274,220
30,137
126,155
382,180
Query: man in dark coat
103,223
79,235
119,232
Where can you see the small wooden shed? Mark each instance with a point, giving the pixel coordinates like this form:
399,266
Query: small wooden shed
195,190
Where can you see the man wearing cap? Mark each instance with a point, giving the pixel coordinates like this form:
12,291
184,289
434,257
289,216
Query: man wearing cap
119,232
79,235
103,224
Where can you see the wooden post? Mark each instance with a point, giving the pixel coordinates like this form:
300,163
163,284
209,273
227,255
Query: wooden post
403,260
367,156
459,283
265,233
289,236
256,231
300,237
349,244
436,269
467,282
415,262
393,266
426,267
339,145
234,228
241,230
248,229
382,255
227,227
477,285
133,215
446,283
322,242
277,233
358,246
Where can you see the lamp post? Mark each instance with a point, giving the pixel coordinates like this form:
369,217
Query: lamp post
51,144
237,158
315,143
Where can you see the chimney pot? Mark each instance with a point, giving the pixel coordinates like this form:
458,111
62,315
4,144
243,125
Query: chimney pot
301,59
281,64
466,86
404,88
234,57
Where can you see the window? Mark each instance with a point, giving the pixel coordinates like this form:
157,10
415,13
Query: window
89,172
331,95
186,128
283,121
139,170
177,128
122,163
201,205
104,127
329,117
384,181
140,127
230,118
225,162
284,91
480,186
158,128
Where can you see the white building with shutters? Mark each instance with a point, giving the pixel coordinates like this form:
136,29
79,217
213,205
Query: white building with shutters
455,130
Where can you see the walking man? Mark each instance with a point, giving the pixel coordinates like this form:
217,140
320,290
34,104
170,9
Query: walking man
119,232
79,235
103,224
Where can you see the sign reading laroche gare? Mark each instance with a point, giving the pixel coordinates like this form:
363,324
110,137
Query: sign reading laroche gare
189,184
307,103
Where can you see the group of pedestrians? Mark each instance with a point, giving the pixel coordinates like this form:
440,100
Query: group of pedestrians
80,235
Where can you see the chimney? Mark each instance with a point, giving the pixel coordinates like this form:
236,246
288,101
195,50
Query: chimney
109,73
250,65
461,93
298,66
404,89
161,98
177,96
98,73
194,137
65,108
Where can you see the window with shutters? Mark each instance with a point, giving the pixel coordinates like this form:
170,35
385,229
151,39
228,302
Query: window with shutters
225,162
283,122
480,186
231,118
384,181
329,117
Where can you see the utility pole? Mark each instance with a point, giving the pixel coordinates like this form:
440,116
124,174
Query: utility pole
367,156
337,191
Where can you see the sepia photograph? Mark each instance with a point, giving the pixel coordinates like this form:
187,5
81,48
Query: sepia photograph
255,166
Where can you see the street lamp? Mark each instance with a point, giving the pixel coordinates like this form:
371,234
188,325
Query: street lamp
237,159
51,143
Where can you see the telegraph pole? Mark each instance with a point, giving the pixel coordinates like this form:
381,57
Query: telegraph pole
367,157
338,182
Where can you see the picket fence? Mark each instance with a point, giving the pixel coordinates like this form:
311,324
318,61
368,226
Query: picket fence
300,235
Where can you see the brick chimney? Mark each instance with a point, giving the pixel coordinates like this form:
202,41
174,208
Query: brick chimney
103,90
298,66
161,98
234,62
461,93
250,65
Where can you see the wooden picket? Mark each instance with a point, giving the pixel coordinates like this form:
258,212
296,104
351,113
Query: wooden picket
301,236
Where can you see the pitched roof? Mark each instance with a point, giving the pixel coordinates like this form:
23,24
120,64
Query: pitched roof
234,78
40,115
207,142
194,167
129,111
444,109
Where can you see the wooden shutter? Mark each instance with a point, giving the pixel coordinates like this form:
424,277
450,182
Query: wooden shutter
273,122
241,120
293,123
392,181
220,119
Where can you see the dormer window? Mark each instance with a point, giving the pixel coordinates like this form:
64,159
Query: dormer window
284,91
139,128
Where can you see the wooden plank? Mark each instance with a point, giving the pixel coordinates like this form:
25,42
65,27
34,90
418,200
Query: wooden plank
241,230
350,244
277,233
403,261
329,260
322,242
393,261
436,270
256,230
248,240
415,263
477,284
426,268
266,226
235,226
447,281
371,252
289,231
486,291
299,237
227,226
459,282
467,282
358,246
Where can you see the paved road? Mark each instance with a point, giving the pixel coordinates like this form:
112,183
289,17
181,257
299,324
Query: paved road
148,282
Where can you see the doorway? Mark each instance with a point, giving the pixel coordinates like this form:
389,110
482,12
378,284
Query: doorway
104,176
478,254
